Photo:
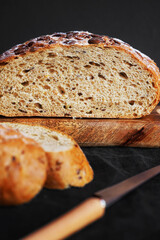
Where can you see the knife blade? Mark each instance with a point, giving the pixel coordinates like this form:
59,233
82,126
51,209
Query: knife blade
91,209
117,191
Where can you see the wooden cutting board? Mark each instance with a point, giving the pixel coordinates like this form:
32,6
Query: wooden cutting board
144,132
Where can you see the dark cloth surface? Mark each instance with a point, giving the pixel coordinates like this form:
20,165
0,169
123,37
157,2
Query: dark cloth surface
136,216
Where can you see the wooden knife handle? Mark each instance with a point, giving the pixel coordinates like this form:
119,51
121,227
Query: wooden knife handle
79,217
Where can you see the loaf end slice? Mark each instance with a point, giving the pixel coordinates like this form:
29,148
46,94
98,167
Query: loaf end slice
77,74
23,167
67,164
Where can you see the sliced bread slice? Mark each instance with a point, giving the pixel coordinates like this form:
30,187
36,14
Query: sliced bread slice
67,164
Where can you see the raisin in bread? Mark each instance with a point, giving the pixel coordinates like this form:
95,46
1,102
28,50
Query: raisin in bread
23,167
77,74
67,165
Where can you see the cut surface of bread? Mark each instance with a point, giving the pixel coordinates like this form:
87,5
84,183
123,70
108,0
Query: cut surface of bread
23,167
67,165
77,74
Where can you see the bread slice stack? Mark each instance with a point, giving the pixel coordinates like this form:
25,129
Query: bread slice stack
41,157
67,165
77,74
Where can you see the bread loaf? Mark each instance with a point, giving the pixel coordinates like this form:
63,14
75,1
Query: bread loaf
67,165
77,74
23,167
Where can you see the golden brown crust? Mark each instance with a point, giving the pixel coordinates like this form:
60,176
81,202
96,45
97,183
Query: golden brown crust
69,168
66,168
80,39
22,167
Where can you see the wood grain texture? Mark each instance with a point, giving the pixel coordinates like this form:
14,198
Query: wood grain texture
144,132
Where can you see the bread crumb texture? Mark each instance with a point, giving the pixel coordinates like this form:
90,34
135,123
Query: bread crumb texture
82,75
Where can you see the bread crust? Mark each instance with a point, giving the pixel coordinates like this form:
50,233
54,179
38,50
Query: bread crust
69,168
23,167
66,168
80,39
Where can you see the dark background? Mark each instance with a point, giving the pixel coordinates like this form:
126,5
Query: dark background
135,22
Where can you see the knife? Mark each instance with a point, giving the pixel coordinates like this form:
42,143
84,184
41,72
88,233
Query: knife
91,209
